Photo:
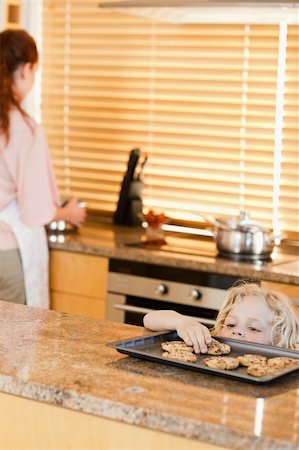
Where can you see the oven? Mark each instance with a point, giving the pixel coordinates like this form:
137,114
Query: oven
135,288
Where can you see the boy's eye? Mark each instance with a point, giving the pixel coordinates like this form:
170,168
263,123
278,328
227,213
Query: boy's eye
230,325
254,329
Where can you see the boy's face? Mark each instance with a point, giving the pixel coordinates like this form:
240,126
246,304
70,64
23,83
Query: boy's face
250,320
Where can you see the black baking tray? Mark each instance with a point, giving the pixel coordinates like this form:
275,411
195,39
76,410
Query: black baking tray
149,348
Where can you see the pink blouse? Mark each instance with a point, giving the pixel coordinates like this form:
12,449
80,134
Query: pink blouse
26,175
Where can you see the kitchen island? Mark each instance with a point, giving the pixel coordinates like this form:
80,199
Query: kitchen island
62,387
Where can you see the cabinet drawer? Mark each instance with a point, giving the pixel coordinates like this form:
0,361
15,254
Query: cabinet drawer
79,274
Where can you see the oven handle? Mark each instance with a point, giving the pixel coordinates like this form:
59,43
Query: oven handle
132,308
146,310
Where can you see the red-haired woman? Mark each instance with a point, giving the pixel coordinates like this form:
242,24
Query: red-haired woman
29,197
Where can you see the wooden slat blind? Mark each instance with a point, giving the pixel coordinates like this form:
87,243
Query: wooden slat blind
200,100
289,211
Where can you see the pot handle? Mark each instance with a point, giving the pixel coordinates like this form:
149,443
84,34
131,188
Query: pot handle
276,239
211,220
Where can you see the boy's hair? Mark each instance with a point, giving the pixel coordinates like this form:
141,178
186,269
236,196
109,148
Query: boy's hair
285,331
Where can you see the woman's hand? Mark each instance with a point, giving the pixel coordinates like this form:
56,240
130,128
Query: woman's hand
75,214
72,212
194,333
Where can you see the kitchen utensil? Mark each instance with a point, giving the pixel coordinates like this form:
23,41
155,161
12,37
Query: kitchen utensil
121,216
245,242
212,220
241,236
149,348
141,169
61,226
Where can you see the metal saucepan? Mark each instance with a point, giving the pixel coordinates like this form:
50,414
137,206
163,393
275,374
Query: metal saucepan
241,236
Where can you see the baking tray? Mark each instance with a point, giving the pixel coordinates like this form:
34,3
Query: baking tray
149,348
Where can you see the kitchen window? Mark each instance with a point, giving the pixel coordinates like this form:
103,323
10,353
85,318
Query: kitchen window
200,100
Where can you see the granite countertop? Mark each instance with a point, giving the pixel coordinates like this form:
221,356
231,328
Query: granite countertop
197,254
64,360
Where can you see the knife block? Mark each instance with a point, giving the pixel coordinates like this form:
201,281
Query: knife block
130,200
134,204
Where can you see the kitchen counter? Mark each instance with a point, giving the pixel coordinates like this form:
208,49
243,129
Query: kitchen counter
64,360
108,240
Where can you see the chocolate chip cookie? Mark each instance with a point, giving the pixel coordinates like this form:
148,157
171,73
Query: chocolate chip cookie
218,348
281,362
250,358
222,362
180,355
260,370
170,346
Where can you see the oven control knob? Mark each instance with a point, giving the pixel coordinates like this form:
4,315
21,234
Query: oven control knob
195,294
162,289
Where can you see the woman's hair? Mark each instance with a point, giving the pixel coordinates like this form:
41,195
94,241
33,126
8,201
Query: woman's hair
285,331
17,47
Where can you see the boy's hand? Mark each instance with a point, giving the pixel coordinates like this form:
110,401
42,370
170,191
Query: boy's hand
195,334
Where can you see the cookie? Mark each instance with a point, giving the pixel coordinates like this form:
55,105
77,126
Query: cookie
222,362
281,362
181,356
170,346
250,358
260,370
218,348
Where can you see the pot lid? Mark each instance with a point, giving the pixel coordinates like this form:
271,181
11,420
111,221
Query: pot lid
241,222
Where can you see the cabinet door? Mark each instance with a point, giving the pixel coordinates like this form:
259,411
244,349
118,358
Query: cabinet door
290,290
78,305
78,283
76,273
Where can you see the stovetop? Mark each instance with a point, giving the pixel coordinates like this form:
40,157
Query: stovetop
198,247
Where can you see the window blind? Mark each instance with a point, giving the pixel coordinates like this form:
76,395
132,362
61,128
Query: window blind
289,201
200,100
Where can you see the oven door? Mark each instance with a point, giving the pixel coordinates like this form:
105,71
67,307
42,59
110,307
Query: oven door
131,310
119,310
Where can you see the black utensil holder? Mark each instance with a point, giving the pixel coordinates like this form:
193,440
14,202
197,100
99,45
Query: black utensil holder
134,204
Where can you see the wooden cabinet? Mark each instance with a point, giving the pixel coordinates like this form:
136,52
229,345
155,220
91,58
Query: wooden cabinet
78,283
74,430
290,290
12,13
